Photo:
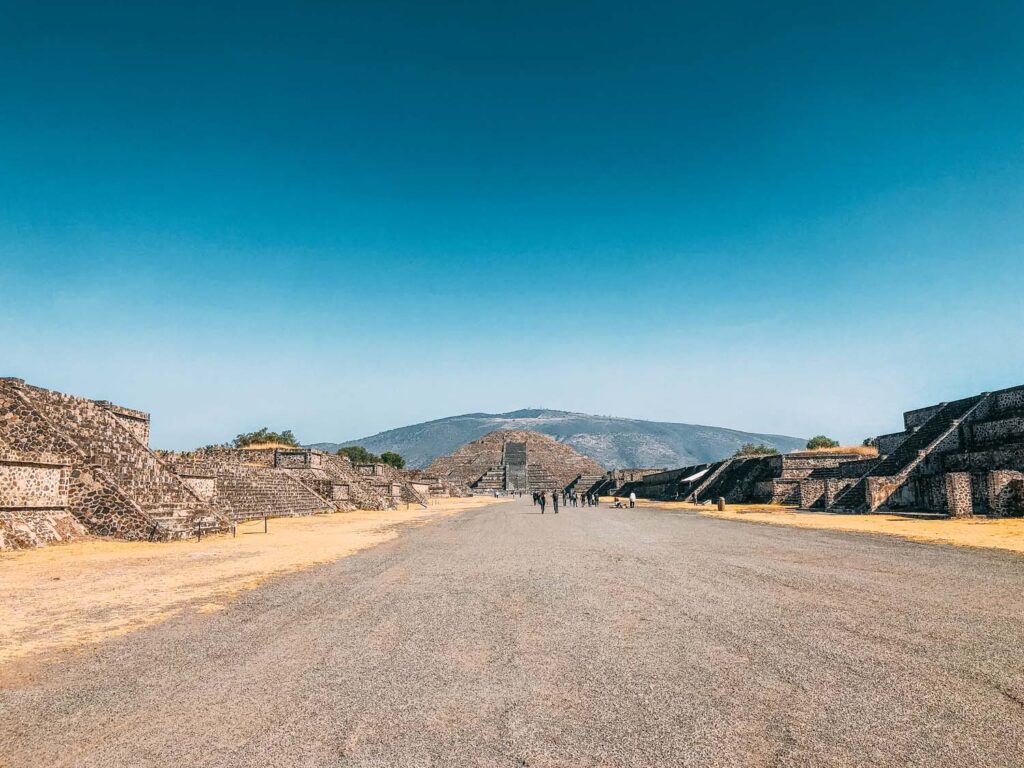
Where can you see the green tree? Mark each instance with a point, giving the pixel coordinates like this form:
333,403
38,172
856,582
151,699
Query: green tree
359,455
755,449
264,435
394,459
820,441
870,442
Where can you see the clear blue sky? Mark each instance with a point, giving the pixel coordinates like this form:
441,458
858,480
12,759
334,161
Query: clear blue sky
342,217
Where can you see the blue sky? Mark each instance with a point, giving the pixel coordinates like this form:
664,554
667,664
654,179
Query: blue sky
342,218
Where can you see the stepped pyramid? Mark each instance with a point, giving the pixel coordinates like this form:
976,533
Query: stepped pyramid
514,460
69,465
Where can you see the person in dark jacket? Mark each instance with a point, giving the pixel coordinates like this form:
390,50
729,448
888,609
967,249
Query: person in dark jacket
554,501
543,501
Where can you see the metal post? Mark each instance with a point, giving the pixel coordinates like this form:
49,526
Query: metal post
264,523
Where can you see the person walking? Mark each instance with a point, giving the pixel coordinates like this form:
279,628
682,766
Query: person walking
543,501
554,501
632,499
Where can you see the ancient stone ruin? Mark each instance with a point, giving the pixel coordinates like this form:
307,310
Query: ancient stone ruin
958,458
515,460
70,466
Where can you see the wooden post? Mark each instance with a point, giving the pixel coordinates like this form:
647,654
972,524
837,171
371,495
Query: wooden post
264,523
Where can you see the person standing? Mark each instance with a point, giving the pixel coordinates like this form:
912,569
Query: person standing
632,499
543,501
554,501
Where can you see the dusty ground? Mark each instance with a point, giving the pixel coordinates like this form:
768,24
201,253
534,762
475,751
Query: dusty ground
61,598
1007,533
596,637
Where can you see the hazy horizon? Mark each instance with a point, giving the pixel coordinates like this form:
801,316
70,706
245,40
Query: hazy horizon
789,219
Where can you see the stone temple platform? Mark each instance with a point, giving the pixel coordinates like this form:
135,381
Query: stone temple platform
515,460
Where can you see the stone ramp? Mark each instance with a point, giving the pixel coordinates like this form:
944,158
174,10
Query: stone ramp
246,493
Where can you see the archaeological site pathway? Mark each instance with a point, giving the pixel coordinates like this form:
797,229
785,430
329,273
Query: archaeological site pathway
595,637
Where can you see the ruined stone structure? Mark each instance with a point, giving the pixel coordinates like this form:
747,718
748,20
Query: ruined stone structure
69,465
742,480
277,482
436,487
958,458
515,460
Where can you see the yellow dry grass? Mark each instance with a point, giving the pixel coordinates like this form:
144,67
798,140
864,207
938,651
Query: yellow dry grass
867,451
1006,534
63,597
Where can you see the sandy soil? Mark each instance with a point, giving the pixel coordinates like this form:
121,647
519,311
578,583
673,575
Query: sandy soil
60,598
1007,533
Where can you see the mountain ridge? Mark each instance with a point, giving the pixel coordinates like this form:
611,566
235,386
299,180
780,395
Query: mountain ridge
612,441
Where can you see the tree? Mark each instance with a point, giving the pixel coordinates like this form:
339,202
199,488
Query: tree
263,436
870,442
820,441
359,455
394,459
755,449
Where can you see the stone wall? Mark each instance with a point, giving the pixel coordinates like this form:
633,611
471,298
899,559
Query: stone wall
136,422
1005,491
25,484
959,500
38,527
916,418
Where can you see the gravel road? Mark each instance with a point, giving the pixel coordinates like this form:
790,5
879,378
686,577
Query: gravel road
596,637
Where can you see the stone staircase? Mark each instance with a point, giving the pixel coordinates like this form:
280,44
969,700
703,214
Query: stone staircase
117,456
897,466
585,483
246,493
538,479
492,480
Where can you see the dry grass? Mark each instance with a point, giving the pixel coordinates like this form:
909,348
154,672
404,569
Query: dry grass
1006,534
60,598
867,451
264,446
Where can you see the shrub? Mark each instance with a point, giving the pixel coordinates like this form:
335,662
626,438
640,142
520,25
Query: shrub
394,459
359,455
755,449
820,441
264,436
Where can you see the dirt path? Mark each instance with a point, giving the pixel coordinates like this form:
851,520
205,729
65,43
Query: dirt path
62,598
499,637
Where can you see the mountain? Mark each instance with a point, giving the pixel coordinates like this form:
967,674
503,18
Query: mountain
611,441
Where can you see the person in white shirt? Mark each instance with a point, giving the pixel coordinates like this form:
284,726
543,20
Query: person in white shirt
632,499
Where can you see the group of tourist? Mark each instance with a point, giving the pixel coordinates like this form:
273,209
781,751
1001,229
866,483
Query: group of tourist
567,498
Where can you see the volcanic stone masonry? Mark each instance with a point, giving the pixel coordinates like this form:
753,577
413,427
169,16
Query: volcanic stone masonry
958,459
515,460
70,466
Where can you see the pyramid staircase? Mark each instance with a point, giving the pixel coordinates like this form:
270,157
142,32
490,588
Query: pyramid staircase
492,480
895,468
539,479
585,484
118,475
246,493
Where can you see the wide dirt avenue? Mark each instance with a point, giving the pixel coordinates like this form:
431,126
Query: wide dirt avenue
596,637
